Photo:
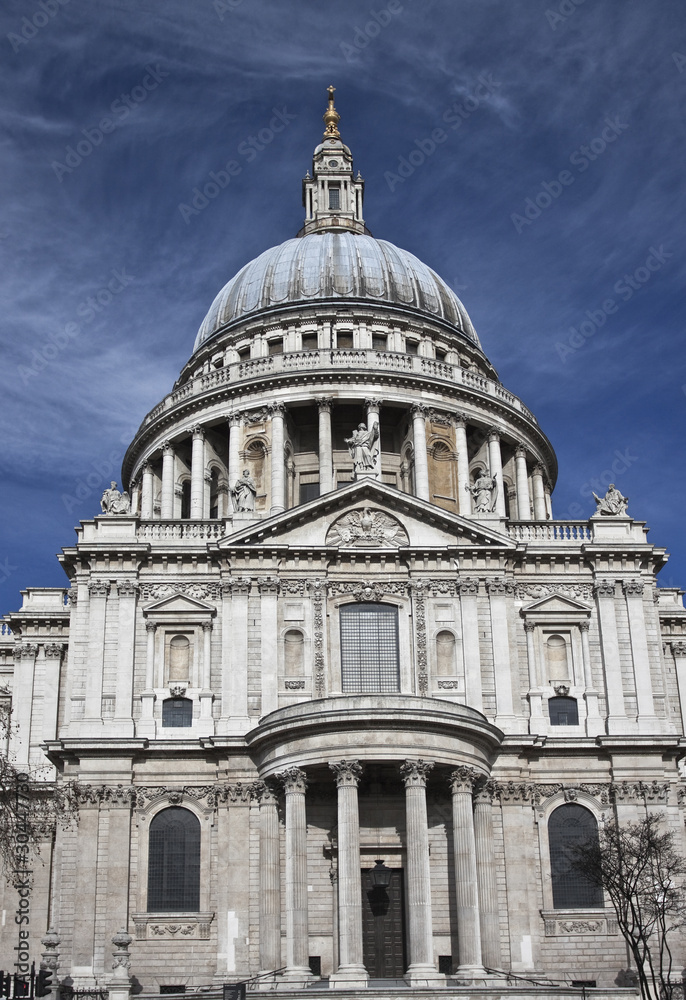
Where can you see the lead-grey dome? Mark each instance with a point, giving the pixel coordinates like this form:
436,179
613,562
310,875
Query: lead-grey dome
328,266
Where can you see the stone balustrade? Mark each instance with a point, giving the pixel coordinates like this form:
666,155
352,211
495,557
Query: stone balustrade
335,360
573,532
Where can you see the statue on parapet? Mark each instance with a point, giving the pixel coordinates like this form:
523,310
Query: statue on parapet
244,493
114,502
485,492
362,450
613,504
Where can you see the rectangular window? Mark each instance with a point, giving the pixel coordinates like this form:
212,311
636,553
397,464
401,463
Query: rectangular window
275,346
411,346
334,199
344,340
309,491
369,648
309,341
379,342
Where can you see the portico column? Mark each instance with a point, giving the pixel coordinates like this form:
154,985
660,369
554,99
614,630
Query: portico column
422,971
462,783
351,971
325,447
167,507
522,477
270,882
198,474
421,459
462,464
297,930
373,406
278,468
486,877
234,470
495,464
539,493
147,493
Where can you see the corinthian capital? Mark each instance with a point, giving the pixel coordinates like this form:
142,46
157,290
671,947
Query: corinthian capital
347,772
415,773
293,780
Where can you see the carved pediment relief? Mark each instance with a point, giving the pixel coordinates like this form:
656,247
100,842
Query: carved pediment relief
367,527
556,604
179,604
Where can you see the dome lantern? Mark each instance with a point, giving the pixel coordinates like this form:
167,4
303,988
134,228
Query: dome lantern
332,197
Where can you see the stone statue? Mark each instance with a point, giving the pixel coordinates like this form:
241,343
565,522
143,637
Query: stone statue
114,502
613,504
244,493
484,491
362,450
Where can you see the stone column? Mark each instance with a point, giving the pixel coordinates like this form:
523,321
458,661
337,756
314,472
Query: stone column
498,591
539,493
462,783
198,474
206,723
54,653
97,604
268,587
422,971
522,477
126,631
146,723
148,493
489,910
22,703
278,483
234,469
616,710
537,723
351,972
594,724
270,881
469,590
679,654
297,929
373,417
421,458
463,494
167,506
326,483
495,464
647,720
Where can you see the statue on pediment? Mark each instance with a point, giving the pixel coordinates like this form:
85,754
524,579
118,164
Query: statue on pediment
613,504
484,491
362,450
115,502
244,492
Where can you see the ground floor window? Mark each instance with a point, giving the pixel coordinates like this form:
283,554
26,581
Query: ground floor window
174,861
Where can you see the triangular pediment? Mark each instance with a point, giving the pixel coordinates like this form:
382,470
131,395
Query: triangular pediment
179,604
555,604
368,514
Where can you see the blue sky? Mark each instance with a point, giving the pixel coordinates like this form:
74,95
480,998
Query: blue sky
554,207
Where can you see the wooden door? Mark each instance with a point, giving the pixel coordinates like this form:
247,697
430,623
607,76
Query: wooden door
383,927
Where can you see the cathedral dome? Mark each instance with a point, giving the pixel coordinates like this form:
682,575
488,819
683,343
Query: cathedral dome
329,267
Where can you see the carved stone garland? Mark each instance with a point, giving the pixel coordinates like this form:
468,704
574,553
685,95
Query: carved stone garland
317,589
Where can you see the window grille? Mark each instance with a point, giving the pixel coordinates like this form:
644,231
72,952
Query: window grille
569,825
174,862
334,198
369,648
177,712
563,711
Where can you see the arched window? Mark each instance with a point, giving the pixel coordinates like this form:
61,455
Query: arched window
294,653
179,658
570,825
369,648
177,712
445,653
556,658
174,861
563,711
442,473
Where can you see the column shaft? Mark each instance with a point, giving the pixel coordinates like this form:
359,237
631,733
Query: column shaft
198,474
647,721
297,930
147,493
351,966
486,878
421,458
539,494
97,604
462,466
466,888
270,884
167,506
234,470
614,686
469,589
123,705
523,498
495,463
325,448
374,418
278,481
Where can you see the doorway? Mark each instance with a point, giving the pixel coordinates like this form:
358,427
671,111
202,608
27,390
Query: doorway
383,927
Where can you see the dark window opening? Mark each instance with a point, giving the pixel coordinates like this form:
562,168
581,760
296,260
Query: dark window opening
445,964
369,648
177,712
411,347
174,862
379,342
563,711
309,491
344,340
315,964
244,354
334,199
440,355
309,341
186,498
570,825
275,346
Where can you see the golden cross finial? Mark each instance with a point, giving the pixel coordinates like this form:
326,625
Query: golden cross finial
331,117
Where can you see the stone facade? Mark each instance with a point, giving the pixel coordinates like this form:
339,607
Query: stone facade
302,765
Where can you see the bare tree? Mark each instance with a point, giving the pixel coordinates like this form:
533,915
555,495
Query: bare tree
644,874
